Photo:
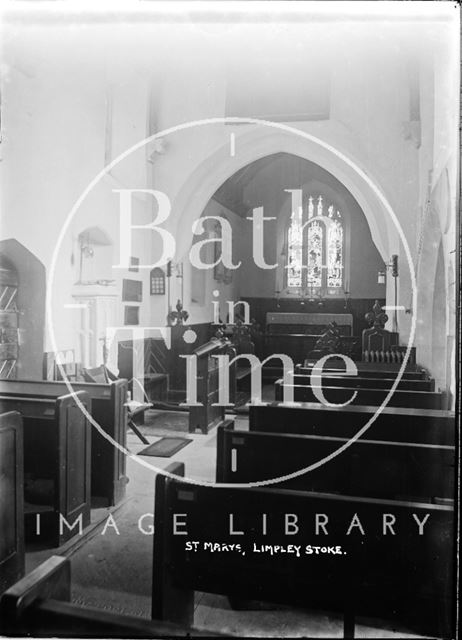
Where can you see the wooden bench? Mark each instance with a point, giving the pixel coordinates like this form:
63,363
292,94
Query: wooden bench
374,397
57,461
400,424
11,499
352,382
39,605
374,469
405,578
108,475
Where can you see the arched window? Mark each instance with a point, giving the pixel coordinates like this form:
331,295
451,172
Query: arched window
316,247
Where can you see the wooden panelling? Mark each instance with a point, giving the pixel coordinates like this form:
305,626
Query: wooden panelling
55,437
109,412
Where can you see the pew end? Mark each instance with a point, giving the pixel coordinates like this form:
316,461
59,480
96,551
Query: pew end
364,581
57,481
169,602
228,425
52,579
39,605
11,499
107,407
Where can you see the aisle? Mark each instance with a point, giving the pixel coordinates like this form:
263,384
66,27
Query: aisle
113,570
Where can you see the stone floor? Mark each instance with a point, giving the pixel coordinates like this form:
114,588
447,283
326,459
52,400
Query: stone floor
112,566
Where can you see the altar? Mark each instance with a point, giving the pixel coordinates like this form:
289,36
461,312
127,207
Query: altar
307,323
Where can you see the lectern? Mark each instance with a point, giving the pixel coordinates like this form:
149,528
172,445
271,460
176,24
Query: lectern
206,416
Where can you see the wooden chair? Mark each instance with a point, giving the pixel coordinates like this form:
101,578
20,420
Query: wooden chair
135,410
100,375
380,345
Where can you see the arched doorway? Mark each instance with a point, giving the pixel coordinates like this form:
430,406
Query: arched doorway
22,311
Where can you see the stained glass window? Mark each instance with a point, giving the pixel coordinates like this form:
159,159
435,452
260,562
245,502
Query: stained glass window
295,254
315,253
335,254
315,246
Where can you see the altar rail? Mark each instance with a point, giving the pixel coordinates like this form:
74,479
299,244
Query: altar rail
298,346
357,307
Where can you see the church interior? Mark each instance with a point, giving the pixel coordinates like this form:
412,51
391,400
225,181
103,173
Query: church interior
229,280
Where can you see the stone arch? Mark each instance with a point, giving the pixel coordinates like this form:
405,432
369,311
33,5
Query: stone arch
96,235
31,306
202,183
431,267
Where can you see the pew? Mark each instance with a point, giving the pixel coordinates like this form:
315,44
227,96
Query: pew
56,464
373,469
39,605
400,424
374,397
405,578
108,475
361,381
367,369
11,500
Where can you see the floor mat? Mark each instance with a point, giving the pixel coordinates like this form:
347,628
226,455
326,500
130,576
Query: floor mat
165,447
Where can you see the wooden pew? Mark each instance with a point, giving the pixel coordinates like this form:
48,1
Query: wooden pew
108,464
11,500
369,370
374,397
405,578
361,381
39,605
374,469
57,454
400,424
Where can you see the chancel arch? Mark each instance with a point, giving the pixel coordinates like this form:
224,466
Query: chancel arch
206,179
349,260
